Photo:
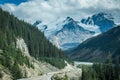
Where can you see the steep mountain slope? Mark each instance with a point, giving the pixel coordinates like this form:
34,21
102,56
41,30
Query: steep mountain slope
98,48
69,33
11,28
40,26
19,42
103,20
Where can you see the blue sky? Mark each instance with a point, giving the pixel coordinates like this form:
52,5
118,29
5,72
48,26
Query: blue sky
12,1
49,11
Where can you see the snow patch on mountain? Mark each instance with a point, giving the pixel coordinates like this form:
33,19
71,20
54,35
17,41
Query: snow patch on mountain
94,28
69,33
103,20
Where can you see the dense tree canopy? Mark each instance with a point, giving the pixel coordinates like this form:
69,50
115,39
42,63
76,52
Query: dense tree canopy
39,47
12,28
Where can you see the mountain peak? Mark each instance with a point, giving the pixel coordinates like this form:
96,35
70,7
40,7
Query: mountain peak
37,22
70,35
104,15
103,20
69,19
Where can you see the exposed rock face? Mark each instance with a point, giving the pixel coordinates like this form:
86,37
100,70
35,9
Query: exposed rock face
71,75
39,68
103,20
4,73
70,35
68,73
20,44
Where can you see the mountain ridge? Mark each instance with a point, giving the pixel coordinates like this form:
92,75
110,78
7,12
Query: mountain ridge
98,48
24,50
70,27
70,33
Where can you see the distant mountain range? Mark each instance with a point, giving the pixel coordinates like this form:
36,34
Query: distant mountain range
98,48
69,33
103,20
24,50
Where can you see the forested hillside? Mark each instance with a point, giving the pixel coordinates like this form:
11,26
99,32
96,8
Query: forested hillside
102,71
12,28
39,47
99,47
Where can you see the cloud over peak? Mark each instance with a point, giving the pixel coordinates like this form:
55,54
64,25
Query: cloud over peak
50,10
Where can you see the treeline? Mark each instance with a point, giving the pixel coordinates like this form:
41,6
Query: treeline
102,71
39,47
12,28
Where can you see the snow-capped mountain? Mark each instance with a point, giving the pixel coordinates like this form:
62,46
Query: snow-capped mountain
40,25
103,20
70,33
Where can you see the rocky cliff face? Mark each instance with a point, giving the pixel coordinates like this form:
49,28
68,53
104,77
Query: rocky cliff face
103,20
20,44
71,75
39,68
69,33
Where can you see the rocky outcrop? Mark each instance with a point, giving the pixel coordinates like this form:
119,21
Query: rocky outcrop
5,74
20,44
70,72
38,68
70,75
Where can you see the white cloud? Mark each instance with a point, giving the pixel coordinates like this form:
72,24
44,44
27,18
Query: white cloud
50,10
